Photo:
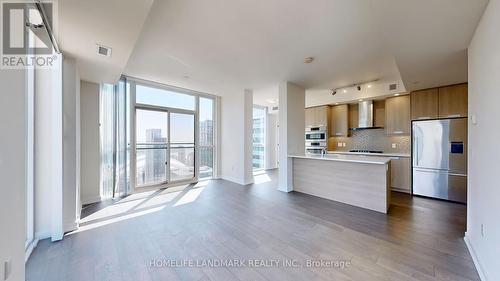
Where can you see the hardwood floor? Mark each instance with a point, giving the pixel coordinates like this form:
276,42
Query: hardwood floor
419,239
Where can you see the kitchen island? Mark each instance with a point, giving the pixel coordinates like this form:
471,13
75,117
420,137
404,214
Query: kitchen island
362,181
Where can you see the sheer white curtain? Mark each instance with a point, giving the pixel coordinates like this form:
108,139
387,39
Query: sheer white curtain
113,112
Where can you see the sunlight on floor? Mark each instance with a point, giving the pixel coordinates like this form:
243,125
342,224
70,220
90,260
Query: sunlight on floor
190,196
261,178
142,203
117,219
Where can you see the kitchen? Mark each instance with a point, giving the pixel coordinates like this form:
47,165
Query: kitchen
419,137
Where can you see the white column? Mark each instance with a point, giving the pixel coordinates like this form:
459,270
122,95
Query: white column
236,137
248,143
291,131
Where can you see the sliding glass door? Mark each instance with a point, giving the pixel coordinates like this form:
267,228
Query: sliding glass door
151,147
165,146
182,146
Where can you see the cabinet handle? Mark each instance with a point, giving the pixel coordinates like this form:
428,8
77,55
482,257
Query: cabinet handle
454,115
338,134
397,132
424,117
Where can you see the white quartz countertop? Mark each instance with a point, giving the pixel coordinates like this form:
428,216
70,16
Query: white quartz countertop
371,154
346,158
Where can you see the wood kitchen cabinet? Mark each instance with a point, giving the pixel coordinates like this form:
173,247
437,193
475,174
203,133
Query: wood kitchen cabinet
424,104
400,174
453,101
339,124
379,113
309,116
397,115
322,115
316,116
353,116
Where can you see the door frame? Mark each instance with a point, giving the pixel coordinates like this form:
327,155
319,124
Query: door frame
133,166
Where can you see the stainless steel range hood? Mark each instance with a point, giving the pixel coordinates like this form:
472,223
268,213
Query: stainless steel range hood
365,116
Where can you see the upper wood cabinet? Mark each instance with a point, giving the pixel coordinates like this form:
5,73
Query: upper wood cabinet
339,127
309,116
316,116
453,101
353,116
424,104
443,102
397,115
379,113
323,115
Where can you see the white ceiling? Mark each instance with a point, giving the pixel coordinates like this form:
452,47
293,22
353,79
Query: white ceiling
112,23
429,38
223,47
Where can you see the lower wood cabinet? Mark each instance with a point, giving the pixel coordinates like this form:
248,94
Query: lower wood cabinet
400,174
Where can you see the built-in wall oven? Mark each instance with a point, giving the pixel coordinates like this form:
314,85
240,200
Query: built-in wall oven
316,133
316,139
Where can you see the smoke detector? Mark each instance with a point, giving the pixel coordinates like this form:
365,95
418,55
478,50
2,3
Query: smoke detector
103,50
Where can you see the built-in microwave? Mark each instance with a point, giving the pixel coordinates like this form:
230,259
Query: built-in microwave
317,133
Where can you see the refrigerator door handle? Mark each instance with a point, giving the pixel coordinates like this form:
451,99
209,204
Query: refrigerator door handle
416,150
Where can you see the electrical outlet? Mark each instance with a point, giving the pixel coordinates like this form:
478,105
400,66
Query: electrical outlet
339,144
7,268
343,144
394,145
482,230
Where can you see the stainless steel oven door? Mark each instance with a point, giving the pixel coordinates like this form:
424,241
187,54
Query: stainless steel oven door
316,136
313,150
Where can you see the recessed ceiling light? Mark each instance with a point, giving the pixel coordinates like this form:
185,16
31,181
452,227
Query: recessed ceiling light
396,95
336,103
345,91
308,60
369,85
360,100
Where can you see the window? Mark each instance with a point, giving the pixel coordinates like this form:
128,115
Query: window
164,98
187,128
259,137
206,137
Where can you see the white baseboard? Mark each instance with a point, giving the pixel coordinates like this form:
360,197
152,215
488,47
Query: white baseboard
90,200
42,235
70,226
474,258
30,248
238,181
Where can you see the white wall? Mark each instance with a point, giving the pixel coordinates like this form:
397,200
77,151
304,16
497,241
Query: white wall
12,171
484,156
291,132
71,149
89,142
271,141
236,137
48,153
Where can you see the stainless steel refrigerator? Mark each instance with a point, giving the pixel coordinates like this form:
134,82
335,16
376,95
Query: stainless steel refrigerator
440,159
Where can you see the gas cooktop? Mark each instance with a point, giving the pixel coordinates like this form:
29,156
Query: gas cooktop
366,151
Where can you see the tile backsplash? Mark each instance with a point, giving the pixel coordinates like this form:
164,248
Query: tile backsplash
374,139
